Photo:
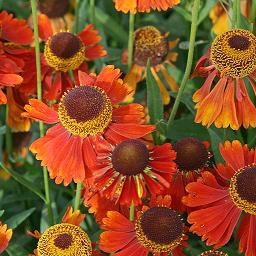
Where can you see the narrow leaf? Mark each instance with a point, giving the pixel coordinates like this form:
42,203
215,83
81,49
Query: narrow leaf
17,219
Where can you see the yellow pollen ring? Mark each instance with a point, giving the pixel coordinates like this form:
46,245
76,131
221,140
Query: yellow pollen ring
236,63
242,204
90,127
80,245
61,64
151,245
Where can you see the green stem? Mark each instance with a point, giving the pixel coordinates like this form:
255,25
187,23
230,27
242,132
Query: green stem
76,25
92,12
131,39
39,96
238,13
234,17
193,31
8,133
78,196
132,212
253,14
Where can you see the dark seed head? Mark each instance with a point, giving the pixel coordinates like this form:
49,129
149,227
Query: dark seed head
246,184
63,241
191,154
84,103
161,225
239,42
130,157
65,45
150,44
53,8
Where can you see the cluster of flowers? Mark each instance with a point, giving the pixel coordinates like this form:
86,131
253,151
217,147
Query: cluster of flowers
97,140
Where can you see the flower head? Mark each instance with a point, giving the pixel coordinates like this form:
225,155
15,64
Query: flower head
232,61
85,115
157,229
129,171
151,44
5,237
222,205
192,157
144,6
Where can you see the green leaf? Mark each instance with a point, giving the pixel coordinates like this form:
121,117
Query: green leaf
215,141
1,213
23,181
16,250
154,98
186,127
205,10
17,219
111,26
2,130
185,14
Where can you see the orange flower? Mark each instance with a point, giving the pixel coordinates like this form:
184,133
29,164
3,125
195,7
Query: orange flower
129,171
65,51
223,205
192,158
232,60
157,229
144,6
66,238
150,43
13,31
85,113
5,237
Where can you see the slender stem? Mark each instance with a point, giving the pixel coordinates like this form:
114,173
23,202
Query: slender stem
92,12
78,195
234,17
131,39
76,25
39,96
132,211
253,14
195,12
8,133
238,13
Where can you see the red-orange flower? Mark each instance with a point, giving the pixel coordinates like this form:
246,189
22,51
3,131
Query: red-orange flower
231,60
157,229
66,238
192,159
85,113
144,6
130,171
223,205
5,237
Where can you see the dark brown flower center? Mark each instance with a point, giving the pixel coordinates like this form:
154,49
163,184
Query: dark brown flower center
150,44
246,184
65,45
191,154
161,225
53,8
239,42
63,241
84,103
130,157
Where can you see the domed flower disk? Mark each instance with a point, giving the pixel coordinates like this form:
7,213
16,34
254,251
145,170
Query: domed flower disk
213,253
152,44
157,229
191,159
129,171
144,6
85,114
223,205
232,61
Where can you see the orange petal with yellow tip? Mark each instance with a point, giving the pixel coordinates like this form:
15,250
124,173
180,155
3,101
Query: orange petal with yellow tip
73,217
5,237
